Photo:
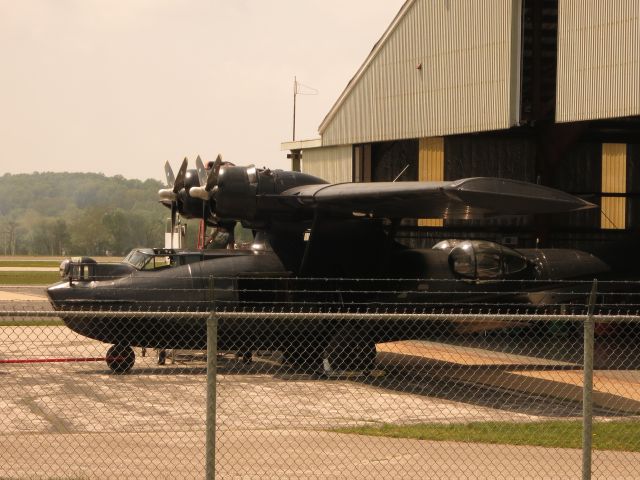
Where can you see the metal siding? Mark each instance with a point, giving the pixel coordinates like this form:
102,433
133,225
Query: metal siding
614,180
333,164
598,59
466,84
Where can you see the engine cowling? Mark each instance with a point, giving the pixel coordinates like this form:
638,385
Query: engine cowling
242,192
236,193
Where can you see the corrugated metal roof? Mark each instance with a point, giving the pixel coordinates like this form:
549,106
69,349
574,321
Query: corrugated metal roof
300,144
363,67
440,68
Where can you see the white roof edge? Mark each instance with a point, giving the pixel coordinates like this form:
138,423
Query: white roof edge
301,144
374,52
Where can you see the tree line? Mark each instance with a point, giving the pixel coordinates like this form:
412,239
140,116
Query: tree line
56,214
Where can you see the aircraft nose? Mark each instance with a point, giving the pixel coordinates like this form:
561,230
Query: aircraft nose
58,293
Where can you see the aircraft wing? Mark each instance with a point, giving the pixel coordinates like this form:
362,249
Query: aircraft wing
466,198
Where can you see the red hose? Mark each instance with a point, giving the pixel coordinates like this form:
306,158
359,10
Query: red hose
53,360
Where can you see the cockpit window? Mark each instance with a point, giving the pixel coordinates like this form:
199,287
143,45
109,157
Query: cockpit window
512,262
137,259
488,265
150,260
485,260
447,245
462,260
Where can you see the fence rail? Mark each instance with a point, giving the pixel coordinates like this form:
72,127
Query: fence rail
278,315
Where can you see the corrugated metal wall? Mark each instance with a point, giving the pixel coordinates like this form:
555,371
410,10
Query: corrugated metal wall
598,59
330,163
467,52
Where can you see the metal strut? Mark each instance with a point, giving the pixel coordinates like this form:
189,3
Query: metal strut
307,248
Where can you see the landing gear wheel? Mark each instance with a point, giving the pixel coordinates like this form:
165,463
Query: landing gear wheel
245,356
120,358
162,356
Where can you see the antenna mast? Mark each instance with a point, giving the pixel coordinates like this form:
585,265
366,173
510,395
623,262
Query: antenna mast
295,92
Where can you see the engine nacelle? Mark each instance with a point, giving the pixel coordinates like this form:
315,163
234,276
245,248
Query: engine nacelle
241,192
236,193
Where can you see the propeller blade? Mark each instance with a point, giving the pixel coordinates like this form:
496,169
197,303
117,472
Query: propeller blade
178,184
202,173
212,178
171,179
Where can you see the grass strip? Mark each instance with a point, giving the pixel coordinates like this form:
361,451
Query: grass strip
618,435
28,278
29,263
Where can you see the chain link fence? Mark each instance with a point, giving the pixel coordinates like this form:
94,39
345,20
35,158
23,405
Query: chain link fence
323,378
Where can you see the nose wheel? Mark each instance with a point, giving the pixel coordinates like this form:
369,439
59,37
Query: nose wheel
120,358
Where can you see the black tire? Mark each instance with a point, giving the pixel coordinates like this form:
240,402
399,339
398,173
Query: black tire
120,358
162,356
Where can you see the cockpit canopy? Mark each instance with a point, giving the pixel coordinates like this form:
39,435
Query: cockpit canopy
482,260
155,258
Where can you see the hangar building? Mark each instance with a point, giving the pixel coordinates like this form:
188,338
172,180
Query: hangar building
545,91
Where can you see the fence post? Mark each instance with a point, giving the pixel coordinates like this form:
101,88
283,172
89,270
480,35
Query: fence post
212,355
587,389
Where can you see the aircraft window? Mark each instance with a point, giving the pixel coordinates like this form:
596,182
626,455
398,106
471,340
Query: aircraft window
80,272
76,271
488,265
488,260
149,264
485,260
157,262
463,260
161,262
137,259
446,244
513,262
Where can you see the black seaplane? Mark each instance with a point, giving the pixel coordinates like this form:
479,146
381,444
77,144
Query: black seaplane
319,247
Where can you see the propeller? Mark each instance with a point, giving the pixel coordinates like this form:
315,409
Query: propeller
169,196
208,184
208,181
202,172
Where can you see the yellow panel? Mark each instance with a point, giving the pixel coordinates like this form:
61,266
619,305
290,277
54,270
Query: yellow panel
431,168
612,215
614,168
614,180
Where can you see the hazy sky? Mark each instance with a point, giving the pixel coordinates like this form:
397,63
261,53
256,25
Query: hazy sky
120,87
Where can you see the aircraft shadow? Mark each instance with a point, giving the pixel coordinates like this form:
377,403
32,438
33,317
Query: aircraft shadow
497,386
490,386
